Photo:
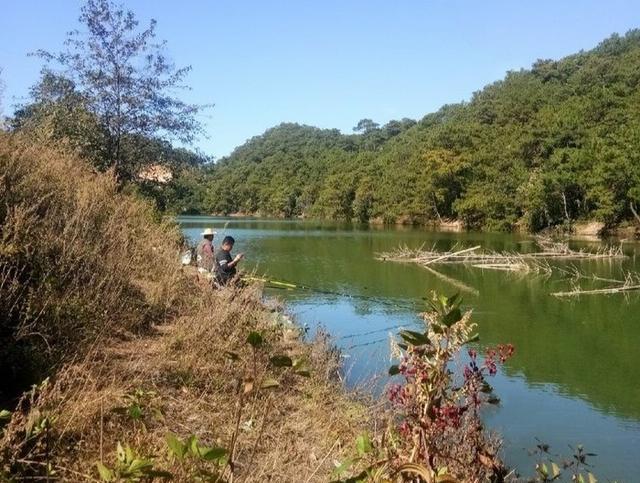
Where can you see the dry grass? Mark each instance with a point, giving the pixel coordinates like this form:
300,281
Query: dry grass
94,296
290,433
78,259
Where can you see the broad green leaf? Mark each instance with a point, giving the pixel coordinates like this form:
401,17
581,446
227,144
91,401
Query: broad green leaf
299,363
452,317
281,361
192,443
212,454
130,455
105,473
4,414
414,338
255,339
301,367
542,469
453,299
363,444
138,465
555,470
175,445
592,479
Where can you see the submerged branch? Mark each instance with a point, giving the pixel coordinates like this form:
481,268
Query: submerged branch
452,281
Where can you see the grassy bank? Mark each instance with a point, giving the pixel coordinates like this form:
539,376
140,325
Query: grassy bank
137,353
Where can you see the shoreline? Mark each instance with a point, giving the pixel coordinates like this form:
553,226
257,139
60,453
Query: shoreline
580,231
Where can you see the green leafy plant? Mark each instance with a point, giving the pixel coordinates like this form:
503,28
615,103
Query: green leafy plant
140,404
364,447
130,466
552,467
210,462
190,447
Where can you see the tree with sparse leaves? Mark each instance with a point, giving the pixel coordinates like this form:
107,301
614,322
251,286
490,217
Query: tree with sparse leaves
123,78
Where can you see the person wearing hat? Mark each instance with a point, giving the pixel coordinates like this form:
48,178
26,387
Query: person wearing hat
204,251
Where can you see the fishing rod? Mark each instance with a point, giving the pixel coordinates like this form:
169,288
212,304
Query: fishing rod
288,285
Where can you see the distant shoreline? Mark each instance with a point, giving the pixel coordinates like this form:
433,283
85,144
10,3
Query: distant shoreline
582,230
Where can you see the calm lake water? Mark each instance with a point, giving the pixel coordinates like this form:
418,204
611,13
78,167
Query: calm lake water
575,378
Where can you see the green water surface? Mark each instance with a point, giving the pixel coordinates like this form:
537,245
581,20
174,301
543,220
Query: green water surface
575,377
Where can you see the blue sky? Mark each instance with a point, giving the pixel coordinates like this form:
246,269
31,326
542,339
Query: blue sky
327,63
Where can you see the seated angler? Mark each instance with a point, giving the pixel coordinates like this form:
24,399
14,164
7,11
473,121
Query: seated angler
225,267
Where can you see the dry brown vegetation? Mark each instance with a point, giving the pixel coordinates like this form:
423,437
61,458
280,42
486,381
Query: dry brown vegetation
78,260
184,381
136,347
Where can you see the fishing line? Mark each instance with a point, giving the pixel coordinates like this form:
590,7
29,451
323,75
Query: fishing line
372,342
361,334
286,284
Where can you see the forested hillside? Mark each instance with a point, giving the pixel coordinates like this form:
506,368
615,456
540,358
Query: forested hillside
547,146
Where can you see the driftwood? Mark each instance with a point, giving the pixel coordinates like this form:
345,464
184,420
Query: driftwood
631,283
535,261
451,255
598,291
507,267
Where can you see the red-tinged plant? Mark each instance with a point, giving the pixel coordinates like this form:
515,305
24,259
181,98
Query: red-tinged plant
437,414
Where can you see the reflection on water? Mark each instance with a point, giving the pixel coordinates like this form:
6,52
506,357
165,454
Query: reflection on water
574,378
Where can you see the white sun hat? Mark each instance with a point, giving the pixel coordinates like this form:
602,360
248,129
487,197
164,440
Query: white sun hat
209,231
